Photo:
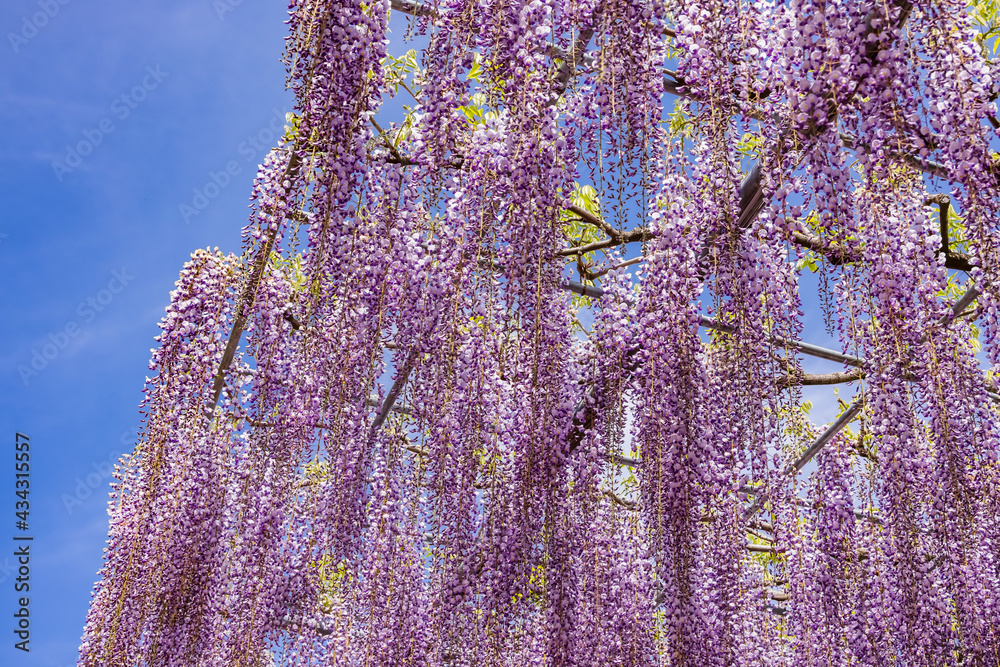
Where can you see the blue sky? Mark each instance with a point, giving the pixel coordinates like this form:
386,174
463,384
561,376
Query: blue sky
160,96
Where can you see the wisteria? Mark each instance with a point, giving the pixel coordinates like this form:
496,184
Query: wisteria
512,369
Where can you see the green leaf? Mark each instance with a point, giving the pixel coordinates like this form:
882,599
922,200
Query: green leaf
476,71
749,145
585,197
476,111
679,122
809,261
985,15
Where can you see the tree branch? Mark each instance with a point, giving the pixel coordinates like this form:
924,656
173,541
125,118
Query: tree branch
621,502
638,234
388,144
249,294
571,64
594,220
396,389
795,379
411,8
837,254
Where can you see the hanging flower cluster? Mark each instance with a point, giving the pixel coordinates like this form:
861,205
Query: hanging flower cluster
432,417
